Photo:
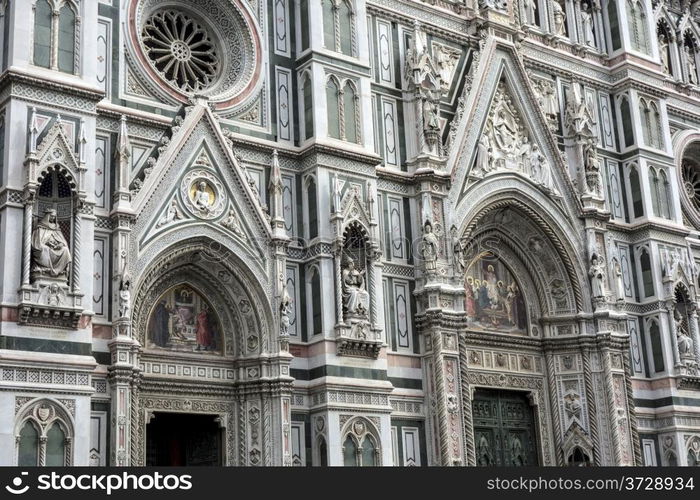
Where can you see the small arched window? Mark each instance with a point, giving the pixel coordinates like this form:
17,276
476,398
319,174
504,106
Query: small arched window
333,105
636,188
647,276
55,446
654,188
312,207
345,25
637,19
339,26
665,198
28,454
322,452
350,115
43,16
657,353
307,98
627,126
350,455
66,39
55,35
614,22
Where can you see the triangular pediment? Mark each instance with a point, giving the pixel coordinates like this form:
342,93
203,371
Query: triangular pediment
197,187
56,148
504,133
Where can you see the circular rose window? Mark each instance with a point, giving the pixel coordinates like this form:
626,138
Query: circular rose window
181,49
210,48
690,182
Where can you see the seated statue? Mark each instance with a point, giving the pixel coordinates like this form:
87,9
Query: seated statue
355,297
50,251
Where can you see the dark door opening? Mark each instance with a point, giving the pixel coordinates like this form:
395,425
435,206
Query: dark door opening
504,428
182,439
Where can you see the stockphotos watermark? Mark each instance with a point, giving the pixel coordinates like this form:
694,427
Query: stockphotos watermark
106,483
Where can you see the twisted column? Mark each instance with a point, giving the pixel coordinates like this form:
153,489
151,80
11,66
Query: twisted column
372,285
695,333
27,239
556,420
338,288
590,398
75,274
674,339
636,449
612,414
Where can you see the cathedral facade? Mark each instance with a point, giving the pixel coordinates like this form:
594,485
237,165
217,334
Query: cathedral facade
349,232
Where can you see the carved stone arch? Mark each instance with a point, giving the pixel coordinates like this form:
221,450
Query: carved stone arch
55,152
221,271
569,250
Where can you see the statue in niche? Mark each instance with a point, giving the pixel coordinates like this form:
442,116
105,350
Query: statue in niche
530,11
429,247
355,295
446,59
685,343
578,118
457,252
572,405
559,18
124,298
594,179
597,274
619,281
50,251
285,311
171,214
587,23
663,53
692,66
505,131
525,152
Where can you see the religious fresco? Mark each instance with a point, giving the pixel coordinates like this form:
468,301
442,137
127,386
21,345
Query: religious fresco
494,300
183,320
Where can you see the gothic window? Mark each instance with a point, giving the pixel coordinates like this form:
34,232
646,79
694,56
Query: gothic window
307,104
614,24
44,435
657,354
350,114
322,452
304,23
690,173
339,26
342,101
665,198
311,207
651,123
314,307
627,126
636,188
28,445
654,187
333,105
578,458
647,276
360,446
56,35
637,22
42,33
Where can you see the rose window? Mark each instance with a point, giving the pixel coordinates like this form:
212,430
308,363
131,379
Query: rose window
691,181
181,50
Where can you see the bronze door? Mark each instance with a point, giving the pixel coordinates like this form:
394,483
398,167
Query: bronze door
504,428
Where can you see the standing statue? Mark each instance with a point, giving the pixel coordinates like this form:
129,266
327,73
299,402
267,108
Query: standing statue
50,251
692,65
429,247
285,311
483,155
124,298
171,214
594,179
597,275
530,7
355,295
619,281
587,23
559,18
457,253
663,53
